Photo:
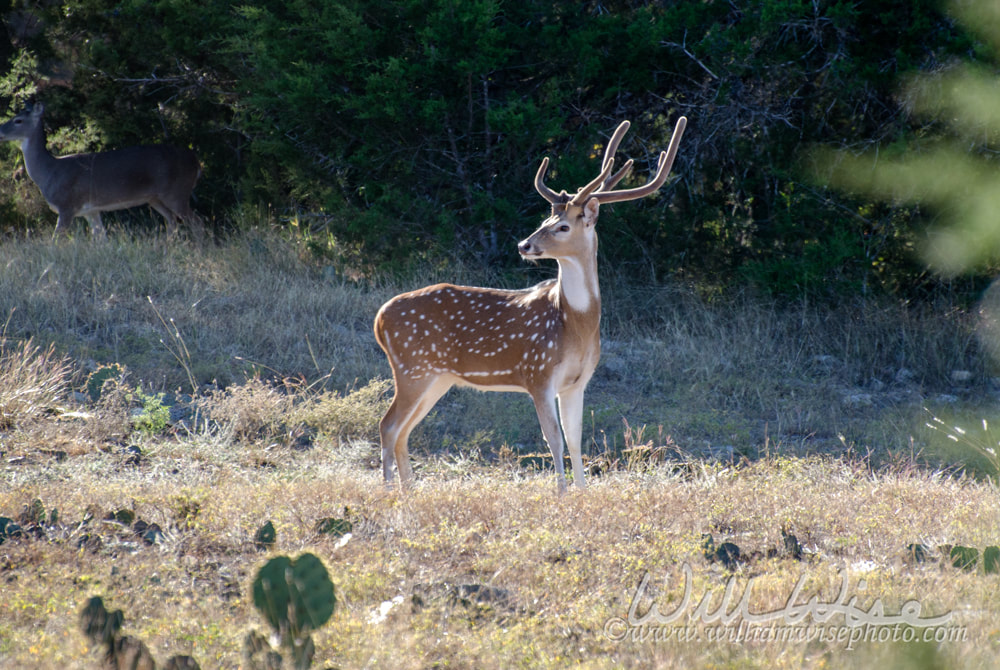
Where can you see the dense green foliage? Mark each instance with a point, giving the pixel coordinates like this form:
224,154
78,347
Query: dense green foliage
405,130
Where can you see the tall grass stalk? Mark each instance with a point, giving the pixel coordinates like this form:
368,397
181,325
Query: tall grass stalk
176,346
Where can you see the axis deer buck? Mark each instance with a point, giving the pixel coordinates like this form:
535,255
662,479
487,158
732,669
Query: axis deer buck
85,185
544,340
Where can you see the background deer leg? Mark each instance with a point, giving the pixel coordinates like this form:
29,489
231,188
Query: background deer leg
96,225
571,415
545,406
177,212
64,222
409,406
168,215
196,224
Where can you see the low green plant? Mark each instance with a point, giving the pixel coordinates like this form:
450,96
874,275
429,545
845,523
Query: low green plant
8,529
967,558
154,416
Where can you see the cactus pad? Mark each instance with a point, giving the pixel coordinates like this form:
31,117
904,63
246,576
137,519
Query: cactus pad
295,596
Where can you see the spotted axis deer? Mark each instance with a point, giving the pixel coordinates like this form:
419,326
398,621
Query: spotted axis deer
544,340
85,185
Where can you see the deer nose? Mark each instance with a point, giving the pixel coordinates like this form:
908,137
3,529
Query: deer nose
524,246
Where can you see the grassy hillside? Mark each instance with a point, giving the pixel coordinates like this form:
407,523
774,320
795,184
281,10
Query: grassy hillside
726,416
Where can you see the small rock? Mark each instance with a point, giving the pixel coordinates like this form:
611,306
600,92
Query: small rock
859,400
825,364
724,453
961,376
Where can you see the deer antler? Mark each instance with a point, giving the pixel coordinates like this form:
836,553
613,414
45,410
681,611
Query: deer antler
544,190
600,187
600,183
609,157
662,170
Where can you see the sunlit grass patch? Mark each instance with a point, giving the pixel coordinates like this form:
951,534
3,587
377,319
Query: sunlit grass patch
33,380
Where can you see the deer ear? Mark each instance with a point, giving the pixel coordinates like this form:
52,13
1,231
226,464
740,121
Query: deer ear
590,211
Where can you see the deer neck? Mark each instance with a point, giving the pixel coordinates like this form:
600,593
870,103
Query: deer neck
37,159
577,283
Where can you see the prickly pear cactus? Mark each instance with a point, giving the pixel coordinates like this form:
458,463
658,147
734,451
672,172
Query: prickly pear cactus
98,624
964,558
991,560
294,596
8,529
97,378
265,536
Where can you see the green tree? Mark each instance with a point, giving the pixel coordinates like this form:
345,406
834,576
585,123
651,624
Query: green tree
410,130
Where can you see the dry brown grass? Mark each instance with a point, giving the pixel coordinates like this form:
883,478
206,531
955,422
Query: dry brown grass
32,381
563,567
291,438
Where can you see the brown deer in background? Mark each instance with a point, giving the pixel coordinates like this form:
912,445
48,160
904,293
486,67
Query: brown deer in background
544,341
160,176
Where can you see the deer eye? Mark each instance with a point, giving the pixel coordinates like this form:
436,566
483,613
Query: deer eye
564,228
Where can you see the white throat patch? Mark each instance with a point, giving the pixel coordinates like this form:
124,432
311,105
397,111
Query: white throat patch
578,288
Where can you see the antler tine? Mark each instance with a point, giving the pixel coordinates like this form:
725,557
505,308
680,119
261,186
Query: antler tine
544,190
585,192
602,182
613,180
609,157
662,171
616,139
599,185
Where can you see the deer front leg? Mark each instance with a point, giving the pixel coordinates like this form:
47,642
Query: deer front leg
545,407
571,414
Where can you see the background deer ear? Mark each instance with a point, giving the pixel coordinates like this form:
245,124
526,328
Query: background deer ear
590,211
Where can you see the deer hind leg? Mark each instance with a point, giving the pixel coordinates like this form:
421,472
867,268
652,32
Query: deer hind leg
571,415
412,402
169,215
65,222
179,210
545,407
196,224
96,225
